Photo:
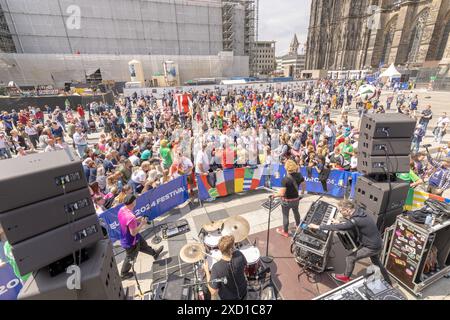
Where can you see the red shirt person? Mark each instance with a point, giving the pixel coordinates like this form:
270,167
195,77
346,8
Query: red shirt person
80,111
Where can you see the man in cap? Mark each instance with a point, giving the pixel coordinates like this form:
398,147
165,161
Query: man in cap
130,239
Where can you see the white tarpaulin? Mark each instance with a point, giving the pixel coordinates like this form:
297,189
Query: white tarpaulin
391,72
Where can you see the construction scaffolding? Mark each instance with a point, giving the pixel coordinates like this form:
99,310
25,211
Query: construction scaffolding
232,25
6,41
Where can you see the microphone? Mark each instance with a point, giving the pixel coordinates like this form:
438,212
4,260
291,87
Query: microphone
427,145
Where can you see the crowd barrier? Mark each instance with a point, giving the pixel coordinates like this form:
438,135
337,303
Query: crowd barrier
229,181
151,204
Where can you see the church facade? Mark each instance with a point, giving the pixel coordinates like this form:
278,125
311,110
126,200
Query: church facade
364,34
293,63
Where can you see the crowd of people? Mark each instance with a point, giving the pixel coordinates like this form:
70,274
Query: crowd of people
144,141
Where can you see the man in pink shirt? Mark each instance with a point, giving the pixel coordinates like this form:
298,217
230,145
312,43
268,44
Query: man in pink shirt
130,238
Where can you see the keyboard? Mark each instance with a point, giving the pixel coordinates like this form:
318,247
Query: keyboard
320,212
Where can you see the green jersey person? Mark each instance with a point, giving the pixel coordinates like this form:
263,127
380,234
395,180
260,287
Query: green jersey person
411,177
166,154
346,149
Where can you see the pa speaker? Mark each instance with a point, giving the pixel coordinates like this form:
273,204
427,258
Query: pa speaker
384,146
368,164
388,125
379,197
49,247
29,221
100,279
37,177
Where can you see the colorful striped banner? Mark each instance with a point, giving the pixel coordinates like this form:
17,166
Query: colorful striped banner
239,174
248,177
229,180
220,184
416,199
256,179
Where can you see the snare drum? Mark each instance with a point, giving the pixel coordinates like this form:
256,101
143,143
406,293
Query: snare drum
252,255
211,240
213,257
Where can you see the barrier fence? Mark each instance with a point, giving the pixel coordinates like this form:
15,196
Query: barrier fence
151,204
230,181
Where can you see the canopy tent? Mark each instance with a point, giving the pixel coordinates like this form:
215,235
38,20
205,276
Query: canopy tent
391,72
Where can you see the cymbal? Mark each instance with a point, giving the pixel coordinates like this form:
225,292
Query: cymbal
192,252
236,226
213,226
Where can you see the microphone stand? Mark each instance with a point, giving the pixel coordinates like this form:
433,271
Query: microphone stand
267,258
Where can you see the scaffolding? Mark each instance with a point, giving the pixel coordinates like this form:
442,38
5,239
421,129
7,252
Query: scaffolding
251,23
6,41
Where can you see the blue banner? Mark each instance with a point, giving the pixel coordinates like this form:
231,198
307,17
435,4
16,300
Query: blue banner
151,204
10,285
337,181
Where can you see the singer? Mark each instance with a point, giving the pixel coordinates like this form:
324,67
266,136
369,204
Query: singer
231,268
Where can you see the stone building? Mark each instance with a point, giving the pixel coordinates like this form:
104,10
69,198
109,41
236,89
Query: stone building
291,64
265,57
364,34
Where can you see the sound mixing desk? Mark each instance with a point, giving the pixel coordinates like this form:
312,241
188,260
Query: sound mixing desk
364,289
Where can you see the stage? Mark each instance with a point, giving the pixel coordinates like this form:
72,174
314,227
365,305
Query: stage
284,269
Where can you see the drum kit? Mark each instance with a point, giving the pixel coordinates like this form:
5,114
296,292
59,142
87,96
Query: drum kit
208,248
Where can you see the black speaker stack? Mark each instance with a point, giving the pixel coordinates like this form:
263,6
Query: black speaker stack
383,151
48,217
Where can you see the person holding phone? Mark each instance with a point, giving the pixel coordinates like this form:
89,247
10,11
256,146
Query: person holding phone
130,239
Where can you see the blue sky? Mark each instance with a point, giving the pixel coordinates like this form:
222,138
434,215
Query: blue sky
280,19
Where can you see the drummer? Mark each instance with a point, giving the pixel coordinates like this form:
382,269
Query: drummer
232,267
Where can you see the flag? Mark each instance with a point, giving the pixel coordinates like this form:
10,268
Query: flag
239,174
229,180
220,184
184,102
256,179
248,176
416,199
209,188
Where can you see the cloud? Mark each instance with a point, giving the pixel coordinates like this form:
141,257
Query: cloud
279,20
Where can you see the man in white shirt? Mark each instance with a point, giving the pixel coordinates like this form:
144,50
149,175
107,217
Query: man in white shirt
202,161
441,128
135,160
80,140
32,133
139,177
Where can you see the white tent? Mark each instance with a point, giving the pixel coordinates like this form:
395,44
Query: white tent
391,72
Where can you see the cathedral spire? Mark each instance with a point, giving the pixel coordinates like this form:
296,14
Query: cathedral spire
293,48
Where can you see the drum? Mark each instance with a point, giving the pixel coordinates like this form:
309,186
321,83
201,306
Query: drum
214,257
252,255
211,240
